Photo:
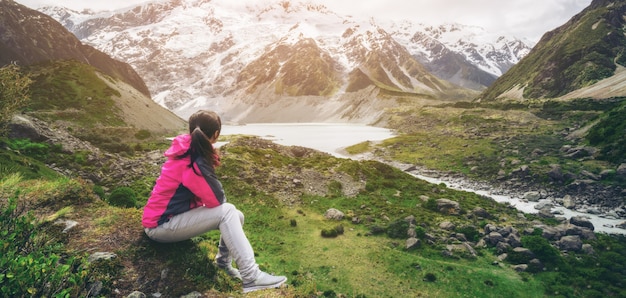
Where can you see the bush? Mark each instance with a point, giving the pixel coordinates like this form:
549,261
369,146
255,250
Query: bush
332,233
398,229
541,248
123,197
431,204
34,264
470,232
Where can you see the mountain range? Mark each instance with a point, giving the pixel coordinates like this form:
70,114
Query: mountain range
250,63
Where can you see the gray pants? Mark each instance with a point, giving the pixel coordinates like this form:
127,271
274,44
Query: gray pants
233,241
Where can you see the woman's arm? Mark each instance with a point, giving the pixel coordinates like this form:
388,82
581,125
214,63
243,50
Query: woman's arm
205,186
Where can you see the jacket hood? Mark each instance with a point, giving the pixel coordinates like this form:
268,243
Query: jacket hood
180,145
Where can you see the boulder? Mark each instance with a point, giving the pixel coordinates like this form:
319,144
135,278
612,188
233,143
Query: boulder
334,214
581,221
412,243
480,212
569,202
449,207
494,238
532,196
570,243
446,225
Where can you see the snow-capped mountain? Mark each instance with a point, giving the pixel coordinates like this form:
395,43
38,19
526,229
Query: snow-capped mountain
209,53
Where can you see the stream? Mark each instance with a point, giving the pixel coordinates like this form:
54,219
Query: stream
332,138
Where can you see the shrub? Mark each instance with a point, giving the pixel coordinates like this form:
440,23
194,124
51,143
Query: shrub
99,191
123,197
332,233
33,263
431,204
398,229
541,248
430,277
29,148
470,232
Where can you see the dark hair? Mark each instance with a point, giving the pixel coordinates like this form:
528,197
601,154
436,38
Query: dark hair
202,126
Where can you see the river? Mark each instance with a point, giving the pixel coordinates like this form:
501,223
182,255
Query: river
332,138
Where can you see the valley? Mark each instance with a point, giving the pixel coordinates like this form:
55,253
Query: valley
82,140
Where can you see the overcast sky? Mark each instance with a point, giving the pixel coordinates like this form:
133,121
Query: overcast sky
521,18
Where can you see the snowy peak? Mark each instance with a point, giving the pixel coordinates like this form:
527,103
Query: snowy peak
207,51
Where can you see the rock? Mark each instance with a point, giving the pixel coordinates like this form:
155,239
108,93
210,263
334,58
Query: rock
490,228
136,294
578,152
569,202
494,238
524,252
514,240
21,127
334,214
590,175
502,247
588,249
621,170
69,224
481,212
555,173
412,243
520,267
192,295
535,265
581,221
544,205
570,243
410,219
446,225
101,256
532,196
449,207
621,225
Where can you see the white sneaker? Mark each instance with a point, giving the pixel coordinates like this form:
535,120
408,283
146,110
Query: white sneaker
264,281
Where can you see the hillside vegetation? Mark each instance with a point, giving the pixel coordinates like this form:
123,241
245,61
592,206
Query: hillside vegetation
285,192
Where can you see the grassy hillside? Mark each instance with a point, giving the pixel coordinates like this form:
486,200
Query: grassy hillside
583,51
71,91
491,141
284,192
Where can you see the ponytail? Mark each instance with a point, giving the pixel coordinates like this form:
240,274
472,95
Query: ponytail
202,126
201,147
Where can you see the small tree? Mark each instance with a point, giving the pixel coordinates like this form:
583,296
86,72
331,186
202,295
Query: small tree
13,93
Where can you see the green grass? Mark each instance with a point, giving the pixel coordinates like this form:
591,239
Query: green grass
434,151
71,91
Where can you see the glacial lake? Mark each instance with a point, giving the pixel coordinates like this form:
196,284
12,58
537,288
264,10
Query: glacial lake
333,137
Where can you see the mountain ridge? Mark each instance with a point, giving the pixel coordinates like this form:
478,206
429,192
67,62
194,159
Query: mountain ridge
219,42
76,85
579,55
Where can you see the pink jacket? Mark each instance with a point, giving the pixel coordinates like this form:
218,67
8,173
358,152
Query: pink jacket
179,189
